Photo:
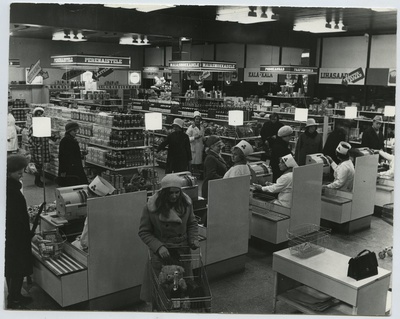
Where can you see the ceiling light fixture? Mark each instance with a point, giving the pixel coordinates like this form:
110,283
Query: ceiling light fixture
336,26
252,12
145,40
317,25
328,25
263,12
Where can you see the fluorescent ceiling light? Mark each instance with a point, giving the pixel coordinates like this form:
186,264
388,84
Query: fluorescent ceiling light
241,14
383,9
316,25
142,8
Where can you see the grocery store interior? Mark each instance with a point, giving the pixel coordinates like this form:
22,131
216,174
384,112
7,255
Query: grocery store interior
126,73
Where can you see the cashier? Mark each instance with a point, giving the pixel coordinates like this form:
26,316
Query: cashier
390,158
239,158
343,172
283,184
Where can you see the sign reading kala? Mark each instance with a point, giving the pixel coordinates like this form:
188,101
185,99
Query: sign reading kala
90,61
212,66
255,75
346,76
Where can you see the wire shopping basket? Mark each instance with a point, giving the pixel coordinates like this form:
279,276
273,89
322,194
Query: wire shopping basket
50,247
307,240
180,283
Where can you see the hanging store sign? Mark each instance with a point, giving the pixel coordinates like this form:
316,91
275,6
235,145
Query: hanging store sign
149,72
90,61
101,73
33,72
212,66
255,75
346,76
289,69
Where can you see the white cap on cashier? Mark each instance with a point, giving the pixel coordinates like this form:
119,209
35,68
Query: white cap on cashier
245,147
289,161
343,148
285,130
196,113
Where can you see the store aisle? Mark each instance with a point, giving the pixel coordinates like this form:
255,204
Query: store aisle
247,292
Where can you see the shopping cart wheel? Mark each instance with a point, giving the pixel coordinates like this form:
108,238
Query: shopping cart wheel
382,254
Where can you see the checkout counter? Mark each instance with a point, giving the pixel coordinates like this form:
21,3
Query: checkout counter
271,222
109,274
351,211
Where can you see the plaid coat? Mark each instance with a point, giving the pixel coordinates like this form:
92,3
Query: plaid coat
36,144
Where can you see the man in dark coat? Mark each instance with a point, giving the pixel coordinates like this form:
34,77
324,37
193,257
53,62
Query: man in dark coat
338,135
280,148
18,254
179,151
70,170
269,133
372,137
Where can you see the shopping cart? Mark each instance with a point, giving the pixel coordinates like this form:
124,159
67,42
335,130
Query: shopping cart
191,293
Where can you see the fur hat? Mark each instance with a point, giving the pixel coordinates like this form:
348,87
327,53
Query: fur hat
212,139
179,122
289,160
285,130
245,147
37,109
378,118
196,113
171,180
343,148
15,163
310,122
71,126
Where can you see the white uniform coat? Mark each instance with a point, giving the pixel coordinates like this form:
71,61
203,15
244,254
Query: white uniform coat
283,186
238,170
12,138
343,176
196,145
390,158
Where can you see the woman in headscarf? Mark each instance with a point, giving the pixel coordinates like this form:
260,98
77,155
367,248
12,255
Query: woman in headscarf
196,133
239,158
309,142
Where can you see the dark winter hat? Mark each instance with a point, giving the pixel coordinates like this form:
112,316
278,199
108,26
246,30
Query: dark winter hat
15,163
212,139
71,126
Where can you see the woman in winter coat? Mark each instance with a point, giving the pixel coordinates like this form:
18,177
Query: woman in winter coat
168,227
344,172
12,130
284,184
214,165
179,153
309,142
18,254
70,170
196,133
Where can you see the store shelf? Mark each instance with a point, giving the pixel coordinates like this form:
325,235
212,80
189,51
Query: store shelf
118,169
288,97
240,138
20,108
119,148
128,128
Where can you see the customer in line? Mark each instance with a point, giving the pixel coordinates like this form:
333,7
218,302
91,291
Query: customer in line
39,149
309,142
179,153
12,131
269,134
372,137
280,148
239,158
334,138
196,133
343,172
214,165
284,184
18,251
70,170
168,227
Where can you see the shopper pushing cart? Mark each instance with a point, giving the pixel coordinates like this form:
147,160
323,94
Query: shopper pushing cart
169,228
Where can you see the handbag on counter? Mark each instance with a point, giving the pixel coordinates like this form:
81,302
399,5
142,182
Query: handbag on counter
362,266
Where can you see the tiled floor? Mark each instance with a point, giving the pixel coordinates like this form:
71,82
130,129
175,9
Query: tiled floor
247,292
